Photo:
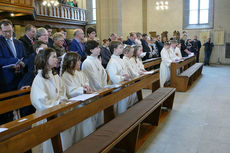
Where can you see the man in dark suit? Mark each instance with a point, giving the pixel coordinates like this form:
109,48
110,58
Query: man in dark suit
146,48
11,51
49,30
196,45
28,39
77,44
105,53
131,39
159,44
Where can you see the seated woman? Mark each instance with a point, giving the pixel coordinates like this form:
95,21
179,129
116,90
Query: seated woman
128,53
76,84
136,60
48,90
165,64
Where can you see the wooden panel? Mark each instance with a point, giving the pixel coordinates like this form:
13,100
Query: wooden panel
36,135
14,103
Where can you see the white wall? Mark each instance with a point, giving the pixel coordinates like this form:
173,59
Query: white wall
131,17
172,19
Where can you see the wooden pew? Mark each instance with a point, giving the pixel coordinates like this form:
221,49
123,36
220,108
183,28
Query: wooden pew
14,100
122,132
183,73
150,63
12,141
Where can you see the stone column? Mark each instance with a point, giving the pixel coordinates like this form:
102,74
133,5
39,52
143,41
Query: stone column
109,18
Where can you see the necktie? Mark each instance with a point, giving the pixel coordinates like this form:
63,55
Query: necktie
12,48
32,42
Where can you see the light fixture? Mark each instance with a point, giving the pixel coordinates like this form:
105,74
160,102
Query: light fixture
162,5
12,14
50,2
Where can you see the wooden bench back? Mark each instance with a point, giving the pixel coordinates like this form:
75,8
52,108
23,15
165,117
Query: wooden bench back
151,62
23,141
14,100
179,67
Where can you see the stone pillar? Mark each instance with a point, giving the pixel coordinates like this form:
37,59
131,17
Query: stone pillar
109,18
144,14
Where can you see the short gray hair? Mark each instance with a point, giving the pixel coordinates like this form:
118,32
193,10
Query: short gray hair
76,31
40,31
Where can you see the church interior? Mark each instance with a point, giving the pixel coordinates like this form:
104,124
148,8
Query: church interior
116,76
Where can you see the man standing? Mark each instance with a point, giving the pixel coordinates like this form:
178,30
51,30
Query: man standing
196,45
207,51
11,64
77,45
11,52
159,44
28,39
49,30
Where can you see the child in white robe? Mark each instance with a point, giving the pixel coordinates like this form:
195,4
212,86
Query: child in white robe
47,89
95,72
166,61
76,84
175,54
128,53
136,61
118,72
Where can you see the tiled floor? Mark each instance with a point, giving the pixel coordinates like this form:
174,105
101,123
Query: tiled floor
200,119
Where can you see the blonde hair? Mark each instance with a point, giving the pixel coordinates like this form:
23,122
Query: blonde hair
127,49
58,35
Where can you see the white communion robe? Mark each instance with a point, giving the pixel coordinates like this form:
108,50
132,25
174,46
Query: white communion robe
132,71
178,52
116,69
165,66
97,76
137,64
74,86
173,54
46,93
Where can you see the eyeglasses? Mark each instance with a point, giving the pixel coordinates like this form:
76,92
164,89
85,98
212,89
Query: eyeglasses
9,31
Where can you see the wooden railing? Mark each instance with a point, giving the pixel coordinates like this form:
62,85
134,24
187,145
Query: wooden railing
61,12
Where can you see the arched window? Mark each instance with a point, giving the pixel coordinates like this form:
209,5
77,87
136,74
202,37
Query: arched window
198,14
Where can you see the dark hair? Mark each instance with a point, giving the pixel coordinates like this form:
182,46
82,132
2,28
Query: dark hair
105,40
167,43
61,29
37,44
89,45
28,27
144,35
138,34
41,62
69,62
47,27
90,30
113,45
5,22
